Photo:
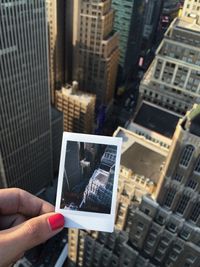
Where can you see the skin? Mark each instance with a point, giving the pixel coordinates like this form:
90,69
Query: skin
23,224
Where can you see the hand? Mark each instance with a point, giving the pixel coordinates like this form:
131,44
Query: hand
25,221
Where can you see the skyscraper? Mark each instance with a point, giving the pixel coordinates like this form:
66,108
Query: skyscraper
129,23
95,52
56,44
25,132
136,22
173,79
78,108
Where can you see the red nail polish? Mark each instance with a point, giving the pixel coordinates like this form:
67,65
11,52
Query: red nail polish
56,221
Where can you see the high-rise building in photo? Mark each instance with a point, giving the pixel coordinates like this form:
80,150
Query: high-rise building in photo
95,48
173,79
56,44
25,129
78,108
136,23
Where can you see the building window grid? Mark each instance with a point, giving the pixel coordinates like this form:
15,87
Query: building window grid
178,177
186,155
182,204
192,184
170,197
195,212
197,166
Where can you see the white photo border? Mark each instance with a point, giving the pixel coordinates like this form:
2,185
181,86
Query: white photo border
82,219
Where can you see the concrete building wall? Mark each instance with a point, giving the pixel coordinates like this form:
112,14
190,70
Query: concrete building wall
78,109
95,55
173,80
191,8
56,44
25,125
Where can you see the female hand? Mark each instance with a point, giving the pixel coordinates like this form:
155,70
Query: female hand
25,221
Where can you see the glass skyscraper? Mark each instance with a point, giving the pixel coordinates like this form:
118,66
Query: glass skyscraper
25,128
136,22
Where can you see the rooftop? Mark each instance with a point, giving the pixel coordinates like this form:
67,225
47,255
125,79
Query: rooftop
157,119
141,156
74,93
186,23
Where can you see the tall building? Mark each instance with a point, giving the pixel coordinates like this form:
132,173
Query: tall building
136,22
25,129
78,108
164,233
56,44
173,79
191,8
126,21
95,53
180,185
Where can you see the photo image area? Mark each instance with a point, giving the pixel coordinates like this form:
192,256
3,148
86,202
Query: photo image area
88,177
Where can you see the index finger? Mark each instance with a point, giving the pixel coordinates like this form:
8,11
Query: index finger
15,200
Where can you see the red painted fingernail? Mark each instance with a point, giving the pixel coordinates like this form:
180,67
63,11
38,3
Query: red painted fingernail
56,221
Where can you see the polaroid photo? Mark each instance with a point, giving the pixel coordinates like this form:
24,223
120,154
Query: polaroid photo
88,180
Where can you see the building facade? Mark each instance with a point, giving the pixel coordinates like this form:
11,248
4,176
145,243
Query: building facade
164,233
173,79
78,108
180,186
25,128
57,133
191,8
136,22
95,48
56,44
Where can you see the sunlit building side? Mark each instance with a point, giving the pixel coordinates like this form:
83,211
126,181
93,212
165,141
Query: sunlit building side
95,48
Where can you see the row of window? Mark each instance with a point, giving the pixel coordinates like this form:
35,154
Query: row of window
186,157
182,205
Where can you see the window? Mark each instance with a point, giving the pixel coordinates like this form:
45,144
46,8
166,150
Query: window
192,184
160,219
170,197
172,227
195,212
182,204
185,234
186,155
178,177
197,166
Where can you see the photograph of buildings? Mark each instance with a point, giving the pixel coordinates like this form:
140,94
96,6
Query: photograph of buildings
88,177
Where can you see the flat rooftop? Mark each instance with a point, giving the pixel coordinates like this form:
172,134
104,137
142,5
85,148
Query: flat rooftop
187,23
157,119
141,156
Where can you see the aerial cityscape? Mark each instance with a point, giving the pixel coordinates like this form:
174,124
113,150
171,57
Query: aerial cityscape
88,179
124,68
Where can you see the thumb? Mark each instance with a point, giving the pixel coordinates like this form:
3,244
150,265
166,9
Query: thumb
15,241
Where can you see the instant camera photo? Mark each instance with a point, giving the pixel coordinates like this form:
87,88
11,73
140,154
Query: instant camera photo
88,179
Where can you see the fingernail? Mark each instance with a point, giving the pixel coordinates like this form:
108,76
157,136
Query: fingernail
56,221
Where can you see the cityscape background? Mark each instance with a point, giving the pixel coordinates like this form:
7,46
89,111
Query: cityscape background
124,68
